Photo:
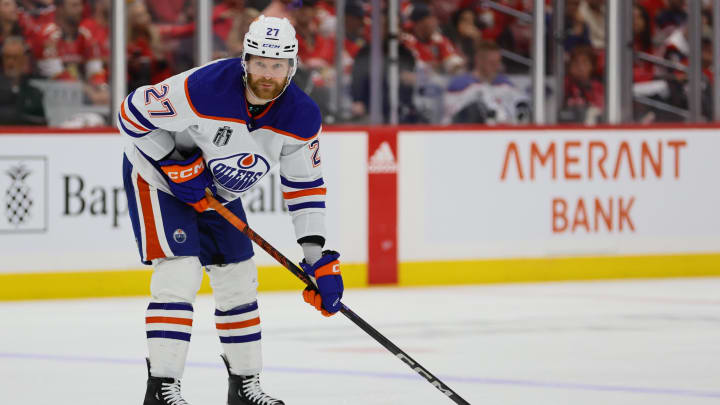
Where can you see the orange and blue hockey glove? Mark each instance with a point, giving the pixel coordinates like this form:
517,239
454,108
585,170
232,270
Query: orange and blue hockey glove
188,180
326,273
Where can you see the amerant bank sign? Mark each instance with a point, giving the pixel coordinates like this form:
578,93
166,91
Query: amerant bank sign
557,192
595,160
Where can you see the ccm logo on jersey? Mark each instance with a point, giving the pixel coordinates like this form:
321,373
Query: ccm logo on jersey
181,174
238,173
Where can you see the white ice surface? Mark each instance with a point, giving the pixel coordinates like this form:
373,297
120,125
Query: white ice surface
627,342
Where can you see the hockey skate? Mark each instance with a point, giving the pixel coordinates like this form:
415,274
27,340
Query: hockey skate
162,390
246,390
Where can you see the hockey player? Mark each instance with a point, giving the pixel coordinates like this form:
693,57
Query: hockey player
222,126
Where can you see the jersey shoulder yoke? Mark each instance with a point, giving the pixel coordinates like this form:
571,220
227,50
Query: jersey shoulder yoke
215,91
297,115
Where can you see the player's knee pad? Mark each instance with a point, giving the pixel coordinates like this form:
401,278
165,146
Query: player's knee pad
176,279
233,284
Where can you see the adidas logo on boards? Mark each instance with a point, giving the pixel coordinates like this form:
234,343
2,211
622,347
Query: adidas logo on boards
383,160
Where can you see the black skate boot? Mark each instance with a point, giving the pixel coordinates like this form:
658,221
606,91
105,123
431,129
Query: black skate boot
162,390
246,390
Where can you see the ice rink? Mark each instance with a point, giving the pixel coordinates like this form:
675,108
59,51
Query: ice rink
627,342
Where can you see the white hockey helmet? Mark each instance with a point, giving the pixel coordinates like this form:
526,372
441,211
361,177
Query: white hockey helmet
271,37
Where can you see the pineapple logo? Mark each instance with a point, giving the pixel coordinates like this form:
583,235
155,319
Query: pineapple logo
18,198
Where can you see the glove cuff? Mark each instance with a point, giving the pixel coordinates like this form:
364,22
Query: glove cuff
180,172
329,269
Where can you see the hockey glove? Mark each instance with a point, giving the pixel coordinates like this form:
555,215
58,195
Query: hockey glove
326,274
188,179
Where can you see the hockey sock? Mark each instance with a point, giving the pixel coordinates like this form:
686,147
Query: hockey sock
168,329
239,332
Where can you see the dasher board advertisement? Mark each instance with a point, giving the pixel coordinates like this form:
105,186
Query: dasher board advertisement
549,193
64,206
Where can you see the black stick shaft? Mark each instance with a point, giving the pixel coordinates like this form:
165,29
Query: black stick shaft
352,316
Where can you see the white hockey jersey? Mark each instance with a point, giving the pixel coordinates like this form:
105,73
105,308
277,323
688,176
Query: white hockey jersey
502,102
206,108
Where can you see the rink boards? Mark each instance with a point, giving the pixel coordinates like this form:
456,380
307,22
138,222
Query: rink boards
407,206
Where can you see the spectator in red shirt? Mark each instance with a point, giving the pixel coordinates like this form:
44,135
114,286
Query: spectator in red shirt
170,11
223,16
98,24
42,12
13,22
584,94
314,50
66,51
147,56
495,22
429,45
316,54
652,7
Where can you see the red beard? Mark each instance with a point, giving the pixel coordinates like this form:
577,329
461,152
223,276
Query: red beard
261,91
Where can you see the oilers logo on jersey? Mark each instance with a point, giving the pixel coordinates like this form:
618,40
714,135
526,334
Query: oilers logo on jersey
179,235
238,173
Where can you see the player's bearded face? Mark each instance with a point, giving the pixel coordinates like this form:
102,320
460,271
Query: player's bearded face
267,76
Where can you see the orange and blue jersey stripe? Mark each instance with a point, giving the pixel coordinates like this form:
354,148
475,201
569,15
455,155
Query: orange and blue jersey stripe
301,195
131,120
137,115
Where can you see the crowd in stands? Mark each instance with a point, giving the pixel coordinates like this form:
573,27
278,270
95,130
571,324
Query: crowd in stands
659,29
460,61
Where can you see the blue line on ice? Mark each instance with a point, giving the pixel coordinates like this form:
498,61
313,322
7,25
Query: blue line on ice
355,373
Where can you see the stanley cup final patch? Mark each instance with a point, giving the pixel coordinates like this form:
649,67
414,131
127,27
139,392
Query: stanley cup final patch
222,136
23,189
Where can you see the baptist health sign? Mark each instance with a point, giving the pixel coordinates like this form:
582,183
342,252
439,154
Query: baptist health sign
24,188
63,206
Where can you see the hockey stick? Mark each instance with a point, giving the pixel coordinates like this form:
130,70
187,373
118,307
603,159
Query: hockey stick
385,342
